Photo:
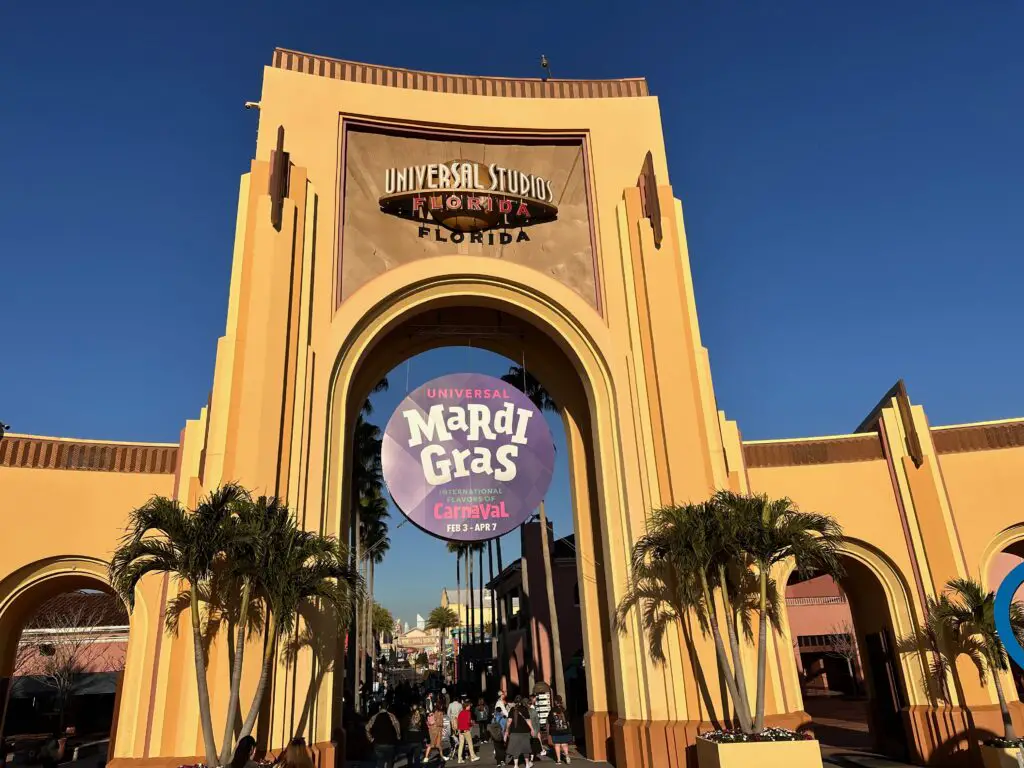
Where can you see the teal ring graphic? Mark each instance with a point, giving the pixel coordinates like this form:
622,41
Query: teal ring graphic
1004,597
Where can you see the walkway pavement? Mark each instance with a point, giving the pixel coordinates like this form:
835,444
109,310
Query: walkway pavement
486,755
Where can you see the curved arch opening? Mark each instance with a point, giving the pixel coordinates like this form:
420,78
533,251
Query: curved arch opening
846,643
63,648
1004,554
510,328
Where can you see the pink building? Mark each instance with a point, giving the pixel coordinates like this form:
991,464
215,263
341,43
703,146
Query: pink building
523,643
825,643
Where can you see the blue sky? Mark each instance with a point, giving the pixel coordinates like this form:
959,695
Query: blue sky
851,175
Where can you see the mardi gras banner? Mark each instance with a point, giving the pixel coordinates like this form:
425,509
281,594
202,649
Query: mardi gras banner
467,457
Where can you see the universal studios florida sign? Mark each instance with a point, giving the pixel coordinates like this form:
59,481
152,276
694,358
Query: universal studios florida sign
469,200
467,457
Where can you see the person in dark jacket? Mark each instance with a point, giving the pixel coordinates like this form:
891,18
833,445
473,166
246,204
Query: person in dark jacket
384,733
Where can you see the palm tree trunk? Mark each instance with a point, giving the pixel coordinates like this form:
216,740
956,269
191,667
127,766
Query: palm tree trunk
236,674
367,631
204,691
1008,730
723,658
357,669
762,649
742,702
369,624
490,579
261,686
472,599
458,589
549,583
480,560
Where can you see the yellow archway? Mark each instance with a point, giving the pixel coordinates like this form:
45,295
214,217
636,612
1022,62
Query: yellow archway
902,618
24,590
605,520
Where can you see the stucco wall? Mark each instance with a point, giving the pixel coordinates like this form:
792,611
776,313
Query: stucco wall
986,493
52,513
859,495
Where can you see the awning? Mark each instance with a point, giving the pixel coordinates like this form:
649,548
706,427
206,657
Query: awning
92,684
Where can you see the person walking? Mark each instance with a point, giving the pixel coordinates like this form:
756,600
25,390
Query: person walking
536,746
384,733
559,730
412,737
465,722
453,723
518,733
481,716
435,729
501,711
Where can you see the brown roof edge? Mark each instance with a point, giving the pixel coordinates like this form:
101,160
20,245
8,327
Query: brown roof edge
472,85
31,452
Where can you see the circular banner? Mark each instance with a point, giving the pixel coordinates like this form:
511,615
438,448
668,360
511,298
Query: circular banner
467,457
1004,597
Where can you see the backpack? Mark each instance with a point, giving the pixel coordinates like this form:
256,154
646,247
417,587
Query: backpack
557,721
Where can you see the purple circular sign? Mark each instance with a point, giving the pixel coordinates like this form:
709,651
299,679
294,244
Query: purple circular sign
467,457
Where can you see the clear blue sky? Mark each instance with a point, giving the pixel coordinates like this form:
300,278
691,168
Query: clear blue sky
851,175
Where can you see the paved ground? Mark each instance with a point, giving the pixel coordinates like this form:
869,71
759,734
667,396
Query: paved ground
486,754
841,726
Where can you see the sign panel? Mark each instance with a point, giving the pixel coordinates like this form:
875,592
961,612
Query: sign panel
467,457
412,195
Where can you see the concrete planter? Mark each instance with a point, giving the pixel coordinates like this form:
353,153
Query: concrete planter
998,757
763,754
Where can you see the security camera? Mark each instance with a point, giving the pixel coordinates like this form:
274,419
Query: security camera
252,105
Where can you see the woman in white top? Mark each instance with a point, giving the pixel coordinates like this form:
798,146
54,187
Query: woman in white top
501,705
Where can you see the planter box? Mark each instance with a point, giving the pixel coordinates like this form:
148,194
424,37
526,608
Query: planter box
999,757
763,754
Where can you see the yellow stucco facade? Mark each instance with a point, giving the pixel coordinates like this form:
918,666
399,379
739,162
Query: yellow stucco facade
614,335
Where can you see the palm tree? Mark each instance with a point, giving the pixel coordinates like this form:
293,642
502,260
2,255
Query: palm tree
518,376
256,520
457,548
383,621
674,569
367,483
300,568
376,543
969,615
442,619
163,536
480,560
768,531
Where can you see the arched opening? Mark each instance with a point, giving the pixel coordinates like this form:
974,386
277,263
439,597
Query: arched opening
486,317
845,637
1004,554
63,649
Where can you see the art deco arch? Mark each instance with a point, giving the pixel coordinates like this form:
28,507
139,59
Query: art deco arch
579,335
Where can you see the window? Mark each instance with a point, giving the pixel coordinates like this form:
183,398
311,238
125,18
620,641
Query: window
576,595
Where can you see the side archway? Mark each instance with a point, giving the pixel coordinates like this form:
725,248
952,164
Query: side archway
24,591
888,682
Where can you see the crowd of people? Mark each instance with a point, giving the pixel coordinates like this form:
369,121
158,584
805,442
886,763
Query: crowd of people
421,727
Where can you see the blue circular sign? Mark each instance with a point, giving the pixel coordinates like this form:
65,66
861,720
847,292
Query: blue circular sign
1004,597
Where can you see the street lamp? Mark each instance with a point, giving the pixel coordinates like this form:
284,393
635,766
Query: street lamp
3,429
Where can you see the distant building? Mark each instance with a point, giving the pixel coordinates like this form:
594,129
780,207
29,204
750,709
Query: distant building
421,623
821,624
416,640
458,599
524,619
